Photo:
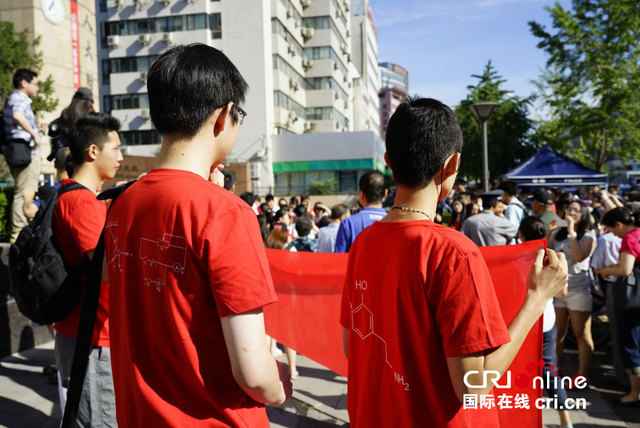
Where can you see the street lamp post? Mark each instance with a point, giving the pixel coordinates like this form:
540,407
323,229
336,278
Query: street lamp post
482,112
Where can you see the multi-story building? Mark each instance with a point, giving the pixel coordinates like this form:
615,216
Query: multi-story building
295,55
67,33
364,44
395,87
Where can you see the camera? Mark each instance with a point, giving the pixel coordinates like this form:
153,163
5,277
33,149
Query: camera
55,134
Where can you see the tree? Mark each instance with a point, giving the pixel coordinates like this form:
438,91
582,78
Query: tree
508,130
590,85
17,52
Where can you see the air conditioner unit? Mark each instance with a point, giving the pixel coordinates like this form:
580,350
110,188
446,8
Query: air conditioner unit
337,125
307,32
308,126
305,3
348,57
306,64
113,41
165,2
343,48
139,4
189,1
346,6
167,38
367,124
293,85
346,105
336,96
335,65
144,114
291,49
292,117
144,39
290,13
345,79
143,76
120,4
348,33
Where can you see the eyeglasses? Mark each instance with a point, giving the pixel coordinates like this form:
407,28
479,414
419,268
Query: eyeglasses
242,114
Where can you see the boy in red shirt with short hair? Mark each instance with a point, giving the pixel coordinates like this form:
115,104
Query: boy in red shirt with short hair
78,220
187,270
419,309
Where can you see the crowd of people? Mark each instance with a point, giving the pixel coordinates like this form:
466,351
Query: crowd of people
180,336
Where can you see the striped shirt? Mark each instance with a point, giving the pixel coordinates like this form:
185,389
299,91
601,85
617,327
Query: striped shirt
19,102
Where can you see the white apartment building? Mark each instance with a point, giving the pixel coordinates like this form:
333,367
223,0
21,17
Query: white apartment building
294,54
364,45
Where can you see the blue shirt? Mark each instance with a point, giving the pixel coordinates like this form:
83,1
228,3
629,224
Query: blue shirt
19,102
352,226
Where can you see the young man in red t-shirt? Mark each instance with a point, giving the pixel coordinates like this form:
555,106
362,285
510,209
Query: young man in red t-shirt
187,270
78,221
419,310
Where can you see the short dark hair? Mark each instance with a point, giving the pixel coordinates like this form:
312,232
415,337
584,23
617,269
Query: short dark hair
372,186
338,211
509,187
229,179
23,74
269,197
420,136
90,128
187,83
248,198
488,200
303,226
280,213
300,211
532,228
620,214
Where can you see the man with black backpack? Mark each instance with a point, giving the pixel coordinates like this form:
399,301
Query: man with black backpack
77,224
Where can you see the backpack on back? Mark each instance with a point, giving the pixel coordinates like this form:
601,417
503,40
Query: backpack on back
45,288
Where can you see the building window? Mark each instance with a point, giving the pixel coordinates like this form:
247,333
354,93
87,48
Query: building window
281,100
125,65
125,102
102,6
215,24
163,24
136,138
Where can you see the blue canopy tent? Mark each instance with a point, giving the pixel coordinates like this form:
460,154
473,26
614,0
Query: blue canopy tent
548,168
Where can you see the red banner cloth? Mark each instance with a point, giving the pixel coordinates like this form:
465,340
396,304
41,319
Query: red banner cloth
306,317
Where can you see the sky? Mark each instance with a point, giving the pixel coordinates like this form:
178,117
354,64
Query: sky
443,42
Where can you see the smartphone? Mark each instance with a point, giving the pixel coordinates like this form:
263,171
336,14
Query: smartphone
562,223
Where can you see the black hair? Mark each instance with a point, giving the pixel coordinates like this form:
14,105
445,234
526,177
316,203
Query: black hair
293,201
581,227
303,226
532,228
324,221
187,83
23,74
90,128
300,211
338,211
269,197
79,106
372,186
509,187
248,198
280,213
263,222
622,215
488,200
420,136
229,179
564,199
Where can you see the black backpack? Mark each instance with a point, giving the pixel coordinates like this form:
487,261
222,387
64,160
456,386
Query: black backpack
45,288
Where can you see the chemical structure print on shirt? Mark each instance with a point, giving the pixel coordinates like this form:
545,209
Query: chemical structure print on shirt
362,324
116,257
161,255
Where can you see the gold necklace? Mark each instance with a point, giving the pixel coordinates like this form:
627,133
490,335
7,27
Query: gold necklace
413,210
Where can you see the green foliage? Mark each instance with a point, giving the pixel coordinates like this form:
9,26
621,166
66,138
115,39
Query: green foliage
328,187
16,51
6,198
508,128
590,85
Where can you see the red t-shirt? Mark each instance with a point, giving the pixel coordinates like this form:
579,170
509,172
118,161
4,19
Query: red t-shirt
415,293
78,221
181,253
631,243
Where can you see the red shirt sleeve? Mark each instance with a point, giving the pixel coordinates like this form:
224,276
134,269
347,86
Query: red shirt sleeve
631,243
465,306
238,269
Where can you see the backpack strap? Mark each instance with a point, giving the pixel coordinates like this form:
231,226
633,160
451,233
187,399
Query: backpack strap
69,187
87,319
